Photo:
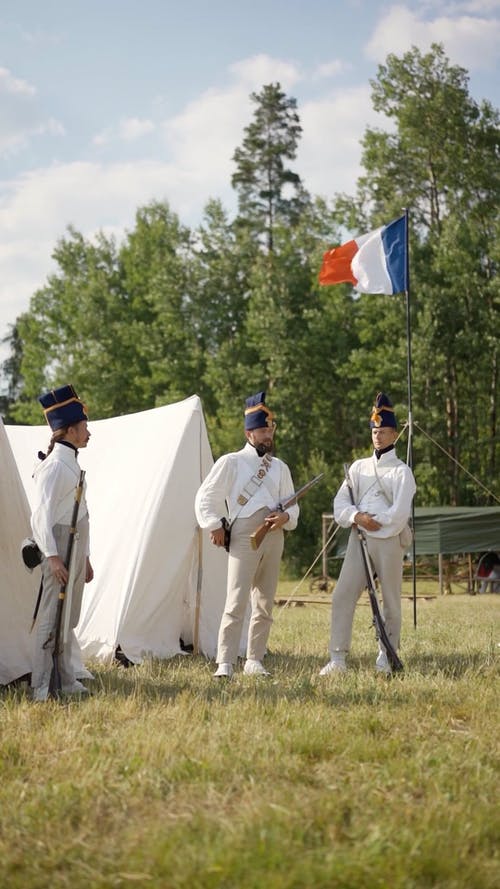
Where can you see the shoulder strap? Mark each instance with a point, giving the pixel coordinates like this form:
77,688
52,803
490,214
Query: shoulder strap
379,480
252,486
358,492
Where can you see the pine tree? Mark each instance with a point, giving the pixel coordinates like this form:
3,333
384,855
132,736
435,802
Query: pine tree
268,191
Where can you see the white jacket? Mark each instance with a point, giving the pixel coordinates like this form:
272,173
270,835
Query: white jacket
218,494
388,501
56,478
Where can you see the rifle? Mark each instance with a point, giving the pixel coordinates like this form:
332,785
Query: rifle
258,535
55,675
378,621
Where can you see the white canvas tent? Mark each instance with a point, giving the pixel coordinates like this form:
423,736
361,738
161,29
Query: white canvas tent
158,579
17,585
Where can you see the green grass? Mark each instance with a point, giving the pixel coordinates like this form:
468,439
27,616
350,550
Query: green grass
166,778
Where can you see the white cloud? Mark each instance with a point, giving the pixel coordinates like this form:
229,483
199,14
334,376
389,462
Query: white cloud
202,139
329,69
87,195
104,137
252,72
36,209
461,7
129,129
16,137
20,261
133,128
39,37
20,117
11,84
470,40
330,151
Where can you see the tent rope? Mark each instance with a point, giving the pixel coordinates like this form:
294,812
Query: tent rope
297,587
454,460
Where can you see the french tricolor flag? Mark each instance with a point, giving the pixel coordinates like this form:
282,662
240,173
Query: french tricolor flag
373,263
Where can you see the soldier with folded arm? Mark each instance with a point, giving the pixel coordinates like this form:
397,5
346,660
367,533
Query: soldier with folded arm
383,488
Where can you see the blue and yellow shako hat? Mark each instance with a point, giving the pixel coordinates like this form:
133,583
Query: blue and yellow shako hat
257,414
62,407
383,412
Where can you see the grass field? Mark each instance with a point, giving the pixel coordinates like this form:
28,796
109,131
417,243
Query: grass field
167,778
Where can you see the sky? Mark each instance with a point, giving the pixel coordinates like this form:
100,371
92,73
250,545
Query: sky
106,105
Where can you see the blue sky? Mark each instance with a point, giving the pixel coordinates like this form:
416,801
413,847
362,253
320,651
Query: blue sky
108,104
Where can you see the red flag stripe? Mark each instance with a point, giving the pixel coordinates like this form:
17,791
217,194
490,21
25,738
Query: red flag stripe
336,267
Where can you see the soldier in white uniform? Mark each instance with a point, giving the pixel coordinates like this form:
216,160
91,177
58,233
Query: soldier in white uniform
246,487
383,488
56,478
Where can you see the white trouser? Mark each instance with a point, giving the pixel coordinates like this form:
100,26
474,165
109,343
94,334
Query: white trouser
386,556
255,574
45,624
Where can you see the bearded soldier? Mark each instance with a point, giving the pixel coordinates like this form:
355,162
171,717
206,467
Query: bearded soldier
239,494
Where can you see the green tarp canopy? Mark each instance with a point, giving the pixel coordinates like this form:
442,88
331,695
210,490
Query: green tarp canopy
448,529
456,529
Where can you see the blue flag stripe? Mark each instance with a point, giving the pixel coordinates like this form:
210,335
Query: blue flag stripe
394,242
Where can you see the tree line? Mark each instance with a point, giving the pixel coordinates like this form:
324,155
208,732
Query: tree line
234,305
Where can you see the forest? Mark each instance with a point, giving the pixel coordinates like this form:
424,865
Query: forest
234,306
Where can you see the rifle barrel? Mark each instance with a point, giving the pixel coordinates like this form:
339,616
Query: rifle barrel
258,535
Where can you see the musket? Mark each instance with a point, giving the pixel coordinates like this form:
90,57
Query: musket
258,535
55,675
378,621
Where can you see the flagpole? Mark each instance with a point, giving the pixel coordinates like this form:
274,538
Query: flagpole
409,458
343,264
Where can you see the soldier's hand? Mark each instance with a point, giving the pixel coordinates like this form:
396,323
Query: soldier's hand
89,571
58,569
276,519
217,536
366,521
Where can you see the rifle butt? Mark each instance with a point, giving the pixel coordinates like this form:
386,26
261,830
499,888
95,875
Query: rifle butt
55,684
258,535
381,633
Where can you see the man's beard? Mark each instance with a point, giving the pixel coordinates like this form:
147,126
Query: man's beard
264,447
